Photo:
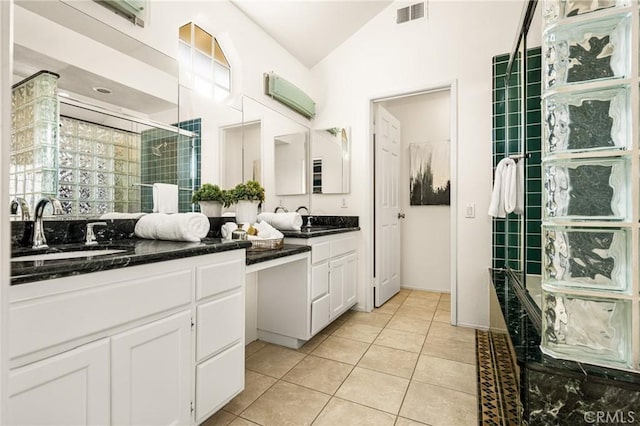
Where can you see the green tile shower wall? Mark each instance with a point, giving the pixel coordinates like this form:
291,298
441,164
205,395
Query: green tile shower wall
175,164
506,140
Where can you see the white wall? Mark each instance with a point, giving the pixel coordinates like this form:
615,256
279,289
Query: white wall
425,249
456,42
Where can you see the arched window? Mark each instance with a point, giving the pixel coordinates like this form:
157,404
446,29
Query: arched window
203,65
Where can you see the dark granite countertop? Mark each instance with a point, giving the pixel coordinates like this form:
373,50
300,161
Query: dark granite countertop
258,256
526,342
318,231
135,252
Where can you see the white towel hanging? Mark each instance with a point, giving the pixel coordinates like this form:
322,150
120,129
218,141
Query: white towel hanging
496,208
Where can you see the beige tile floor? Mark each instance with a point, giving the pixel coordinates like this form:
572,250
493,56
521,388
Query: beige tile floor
402,364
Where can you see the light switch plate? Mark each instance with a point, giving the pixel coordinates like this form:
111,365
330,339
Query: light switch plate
470,210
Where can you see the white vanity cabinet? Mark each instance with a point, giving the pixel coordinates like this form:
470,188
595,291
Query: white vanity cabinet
333,276
161,343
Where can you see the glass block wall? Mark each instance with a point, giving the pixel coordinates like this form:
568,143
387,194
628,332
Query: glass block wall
34,128
167,157
590,172
507,232
97,168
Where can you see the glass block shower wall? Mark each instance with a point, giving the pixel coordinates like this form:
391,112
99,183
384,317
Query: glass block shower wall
34,128
506,141
97,168
591,310
167,157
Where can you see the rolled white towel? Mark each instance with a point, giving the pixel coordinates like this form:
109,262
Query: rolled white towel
266,231
227,229
116,215
282,221
173,227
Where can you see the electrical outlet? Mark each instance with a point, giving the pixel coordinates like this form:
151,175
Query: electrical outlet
470,210
344,203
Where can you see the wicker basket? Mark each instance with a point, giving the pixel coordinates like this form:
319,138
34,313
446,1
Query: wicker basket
271,244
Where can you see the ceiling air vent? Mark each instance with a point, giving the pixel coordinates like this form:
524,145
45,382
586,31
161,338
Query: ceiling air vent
417,11
403,15
409,13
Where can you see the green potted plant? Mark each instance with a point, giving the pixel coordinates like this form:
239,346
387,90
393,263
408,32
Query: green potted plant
248,197
211,199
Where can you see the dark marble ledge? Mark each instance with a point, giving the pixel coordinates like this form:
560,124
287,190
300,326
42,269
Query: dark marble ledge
526,344
318,231
258,256
137,252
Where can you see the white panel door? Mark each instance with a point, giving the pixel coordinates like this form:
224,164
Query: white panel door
151,373
68,389
387,205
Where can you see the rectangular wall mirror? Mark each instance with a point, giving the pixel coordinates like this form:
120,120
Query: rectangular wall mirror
330,161
291,164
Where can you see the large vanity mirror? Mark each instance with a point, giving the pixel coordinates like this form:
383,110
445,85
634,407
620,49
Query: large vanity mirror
271,148
330,160
115,130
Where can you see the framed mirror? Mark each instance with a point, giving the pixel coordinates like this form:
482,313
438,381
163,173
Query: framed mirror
274,151
330,161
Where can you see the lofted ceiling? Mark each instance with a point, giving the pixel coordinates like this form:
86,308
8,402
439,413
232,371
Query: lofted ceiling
310,29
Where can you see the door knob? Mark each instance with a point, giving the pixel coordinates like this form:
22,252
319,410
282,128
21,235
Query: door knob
400,215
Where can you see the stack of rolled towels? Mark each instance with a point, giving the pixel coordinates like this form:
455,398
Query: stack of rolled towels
283,221
190,227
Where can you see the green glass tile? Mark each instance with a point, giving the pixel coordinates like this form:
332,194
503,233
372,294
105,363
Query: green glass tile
534,185
534,213
534,131
533,241
499,252
498,239
534,268
534,170
513,253
500,121
501,68
534,254
499,144
533,227
500,225
514,146
534,199
513,226
513,240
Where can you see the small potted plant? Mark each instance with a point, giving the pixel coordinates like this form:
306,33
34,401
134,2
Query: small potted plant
211,199
248,197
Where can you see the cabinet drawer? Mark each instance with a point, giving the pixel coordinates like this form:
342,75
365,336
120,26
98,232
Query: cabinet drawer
342,246
320,252
219,277
319,280
218,380
219,324
320,313
42,323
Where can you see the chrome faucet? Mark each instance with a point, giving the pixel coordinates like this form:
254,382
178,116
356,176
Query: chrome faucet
302,207
39,241
280,207
24,208
90,236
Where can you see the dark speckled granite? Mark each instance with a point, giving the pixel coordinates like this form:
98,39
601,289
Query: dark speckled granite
562,392
71,231
69,235
136,252
258,256
318,231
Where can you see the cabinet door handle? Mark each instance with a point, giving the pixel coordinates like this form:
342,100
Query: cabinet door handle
400,215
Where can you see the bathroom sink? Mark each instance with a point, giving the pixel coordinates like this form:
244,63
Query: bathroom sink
66,255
